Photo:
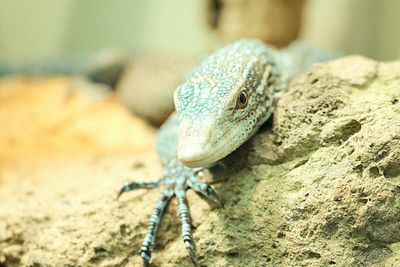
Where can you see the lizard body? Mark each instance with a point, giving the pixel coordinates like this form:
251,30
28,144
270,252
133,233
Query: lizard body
221,105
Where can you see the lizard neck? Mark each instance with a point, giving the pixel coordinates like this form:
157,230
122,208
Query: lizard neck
282,73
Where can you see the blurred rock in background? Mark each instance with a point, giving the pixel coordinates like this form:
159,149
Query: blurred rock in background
105,67
277,22
364,27
147,84
173,32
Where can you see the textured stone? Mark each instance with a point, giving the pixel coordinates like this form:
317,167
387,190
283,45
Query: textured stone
318,186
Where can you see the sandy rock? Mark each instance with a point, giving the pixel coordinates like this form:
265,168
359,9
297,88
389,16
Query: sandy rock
43,118
326,177
318,186
147,84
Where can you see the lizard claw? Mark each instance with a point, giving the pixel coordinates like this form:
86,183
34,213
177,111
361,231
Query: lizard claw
128,186
215,197
146,259
123,189
205,190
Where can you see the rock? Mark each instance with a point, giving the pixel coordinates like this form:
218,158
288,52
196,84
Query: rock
276,22
46,118
323,183
54,138
147,84
105,67
318,186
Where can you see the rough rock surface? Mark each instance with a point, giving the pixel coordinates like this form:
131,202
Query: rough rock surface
318,186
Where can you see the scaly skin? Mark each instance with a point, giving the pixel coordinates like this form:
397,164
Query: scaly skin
212,124
221,105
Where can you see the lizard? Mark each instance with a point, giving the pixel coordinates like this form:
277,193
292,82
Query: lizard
223,103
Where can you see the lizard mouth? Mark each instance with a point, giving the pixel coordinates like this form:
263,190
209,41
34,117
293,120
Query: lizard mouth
193,163
194,154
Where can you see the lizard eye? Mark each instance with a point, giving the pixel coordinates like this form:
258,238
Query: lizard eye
242,100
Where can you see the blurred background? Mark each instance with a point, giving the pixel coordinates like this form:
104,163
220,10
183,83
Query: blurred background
124,44
36,31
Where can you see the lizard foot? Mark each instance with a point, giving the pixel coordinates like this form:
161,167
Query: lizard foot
177,180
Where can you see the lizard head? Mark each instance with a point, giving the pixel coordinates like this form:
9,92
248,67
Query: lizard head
224,101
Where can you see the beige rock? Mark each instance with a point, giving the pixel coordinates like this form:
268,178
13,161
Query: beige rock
148,83
276,22
318,186
45,118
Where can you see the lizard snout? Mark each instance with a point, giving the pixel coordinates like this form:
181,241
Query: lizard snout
191,157
194,146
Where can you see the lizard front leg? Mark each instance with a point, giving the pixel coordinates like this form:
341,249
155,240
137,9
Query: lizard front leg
177,179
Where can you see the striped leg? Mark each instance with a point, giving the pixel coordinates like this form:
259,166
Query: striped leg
128,186
205,190
185,220
155,219
177,179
